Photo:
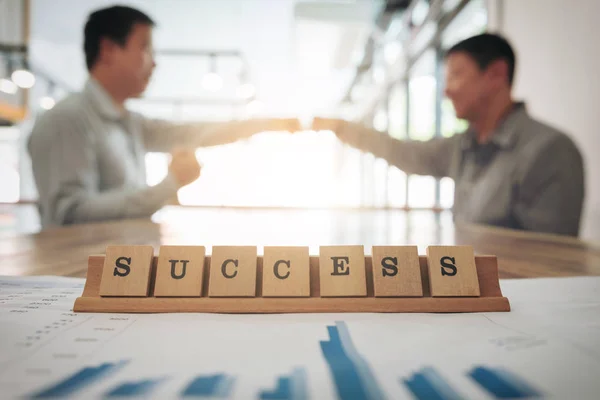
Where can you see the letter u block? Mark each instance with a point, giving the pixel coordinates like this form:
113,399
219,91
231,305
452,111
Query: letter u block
179,271
232,271
126,271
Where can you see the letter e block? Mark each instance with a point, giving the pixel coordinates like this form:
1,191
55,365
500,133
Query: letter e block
452,271
232,271
342,271
179,271
396,271
126,271
286,272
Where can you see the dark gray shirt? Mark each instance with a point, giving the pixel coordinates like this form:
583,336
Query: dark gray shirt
529,176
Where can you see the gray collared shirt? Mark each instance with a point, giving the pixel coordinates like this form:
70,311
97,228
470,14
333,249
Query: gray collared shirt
529,176
88,158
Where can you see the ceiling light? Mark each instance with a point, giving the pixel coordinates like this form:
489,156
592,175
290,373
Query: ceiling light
23,78
212,82
8,86
246,91
47,102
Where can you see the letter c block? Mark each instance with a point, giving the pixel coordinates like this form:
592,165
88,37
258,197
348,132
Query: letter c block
232,271
286,272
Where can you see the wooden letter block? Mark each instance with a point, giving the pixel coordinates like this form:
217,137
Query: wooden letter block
232,271
452,271
179,271
286,272
126,271
396,271
342,271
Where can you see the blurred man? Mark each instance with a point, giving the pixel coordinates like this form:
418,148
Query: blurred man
88,151
510,170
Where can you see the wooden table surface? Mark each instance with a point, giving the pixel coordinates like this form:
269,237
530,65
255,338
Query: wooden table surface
64,251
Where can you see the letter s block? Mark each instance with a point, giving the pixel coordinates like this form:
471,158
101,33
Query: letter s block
396,271
452,271
126,271
180,271
232,271
342,271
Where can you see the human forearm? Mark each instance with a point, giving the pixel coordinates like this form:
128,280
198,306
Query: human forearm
413,157
122,203
163,136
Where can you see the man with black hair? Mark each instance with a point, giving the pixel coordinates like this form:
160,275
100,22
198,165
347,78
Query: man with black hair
510,170
88,151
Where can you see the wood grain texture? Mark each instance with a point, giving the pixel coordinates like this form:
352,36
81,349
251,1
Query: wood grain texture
65,250
342,271
127,271
396,271
179,271
286,272
487,271
233,271
452,271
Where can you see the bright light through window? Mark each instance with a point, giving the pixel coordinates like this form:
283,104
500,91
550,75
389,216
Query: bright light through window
306,169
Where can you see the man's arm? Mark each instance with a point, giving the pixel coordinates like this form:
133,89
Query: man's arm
162,136
551,191
432,157
65,170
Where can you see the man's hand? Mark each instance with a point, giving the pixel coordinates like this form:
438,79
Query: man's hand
327,124
184,166
283,124
346,132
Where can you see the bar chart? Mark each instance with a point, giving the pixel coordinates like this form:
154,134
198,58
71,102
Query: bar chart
79,380
215,386
351,375
291,387
503,384
134,389
429,384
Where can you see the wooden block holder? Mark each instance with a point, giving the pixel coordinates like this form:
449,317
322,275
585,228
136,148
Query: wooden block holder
491,298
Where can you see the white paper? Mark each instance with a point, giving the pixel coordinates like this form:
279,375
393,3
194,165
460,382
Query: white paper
548,345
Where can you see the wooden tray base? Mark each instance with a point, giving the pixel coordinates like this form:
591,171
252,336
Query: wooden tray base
491,298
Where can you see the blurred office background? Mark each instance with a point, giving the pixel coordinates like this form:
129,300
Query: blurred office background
375,61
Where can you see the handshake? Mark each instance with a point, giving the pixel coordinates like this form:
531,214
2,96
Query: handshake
185,168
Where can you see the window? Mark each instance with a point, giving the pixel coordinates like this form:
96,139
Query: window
472,20
9,165
397,129
277,170
379,166
421,123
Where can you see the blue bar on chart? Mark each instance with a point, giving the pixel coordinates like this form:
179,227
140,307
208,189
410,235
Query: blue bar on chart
214,386
351,374
429,384
502,383
132,389
79,380
292,387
